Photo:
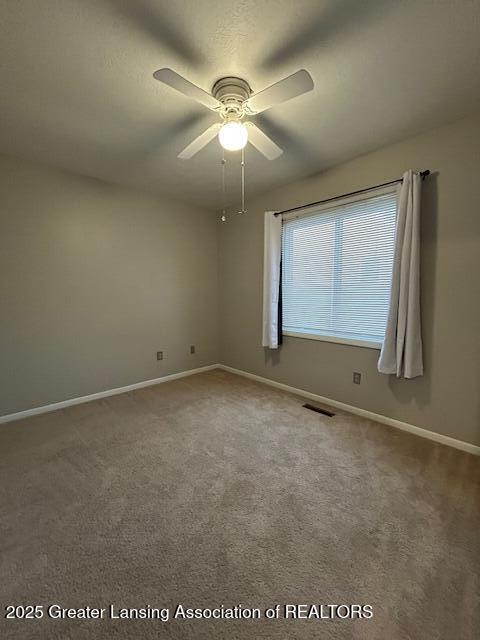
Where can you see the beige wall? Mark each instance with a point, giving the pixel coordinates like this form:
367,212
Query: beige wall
446,398
94,280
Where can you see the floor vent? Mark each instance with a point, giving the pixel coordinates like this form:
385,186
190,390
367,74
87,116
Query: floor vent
312,407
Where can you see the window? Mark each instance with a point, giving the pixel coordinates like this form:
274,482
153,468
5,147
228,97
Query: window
336,270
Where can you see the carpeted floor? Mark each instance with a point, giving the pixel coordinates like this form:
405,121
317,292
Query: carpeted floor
216,490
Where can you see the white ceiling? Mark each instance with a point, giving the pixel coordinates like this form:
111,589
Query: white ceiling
76,85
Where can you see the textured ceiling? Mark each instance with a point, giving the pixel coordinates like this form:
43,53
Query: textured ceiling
77,90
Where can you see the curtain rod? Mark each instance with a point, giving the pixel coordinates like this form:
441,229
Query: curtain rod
424,174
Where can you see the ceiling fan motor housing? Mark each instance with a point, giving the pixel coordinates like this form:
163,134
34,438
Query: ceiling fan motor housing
232,93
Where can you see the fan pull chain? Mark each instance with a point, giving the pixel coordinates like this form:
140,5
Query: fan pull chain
242,164
223,162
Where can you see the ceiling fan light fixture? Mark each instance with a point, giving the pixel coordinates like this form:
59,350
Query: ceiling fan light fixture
231,98
233,136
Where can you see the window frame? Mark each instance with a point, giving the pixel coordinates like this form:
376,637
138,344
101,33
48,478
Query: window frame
328,206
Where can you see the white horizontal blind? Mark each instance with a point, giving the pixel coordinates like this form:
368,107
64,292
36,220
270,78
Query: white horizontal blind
336,270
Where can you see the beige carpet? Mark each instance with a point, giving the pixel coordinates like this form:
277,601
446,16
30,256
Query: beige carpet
216,490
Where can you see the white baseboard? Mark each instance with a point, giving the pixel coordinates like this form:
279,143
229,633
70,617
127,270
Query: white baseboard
102,394
391,422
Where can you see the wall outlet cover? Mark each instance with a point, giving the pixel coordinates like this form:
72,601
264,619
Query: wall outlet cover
159,355
357,377
192,348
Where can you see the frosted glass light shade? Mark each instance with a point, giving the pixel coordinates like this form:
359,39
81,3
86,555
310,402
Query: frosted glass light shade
233,136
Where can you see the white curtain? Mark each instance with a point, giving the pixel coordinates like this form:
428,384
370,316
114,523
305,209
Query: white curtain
402,348
271,278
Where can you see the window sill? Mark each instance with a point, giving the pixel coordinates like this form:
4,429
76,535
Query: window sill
323,338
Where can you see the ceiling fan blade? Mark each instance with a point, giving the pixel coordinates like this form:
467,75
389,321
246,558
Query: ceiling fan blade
181,84
286,89
197,145
262,142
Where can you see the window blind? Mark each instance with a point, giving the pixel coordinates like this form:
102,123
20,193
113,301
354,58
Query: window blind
337,268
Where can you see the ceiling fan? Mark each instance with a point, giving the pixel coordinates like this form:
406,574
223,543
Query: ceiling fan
233,100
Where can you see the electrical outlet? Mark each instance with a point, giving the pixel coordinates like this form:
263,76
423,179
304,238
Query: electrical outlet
192,348
159,355
357,377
